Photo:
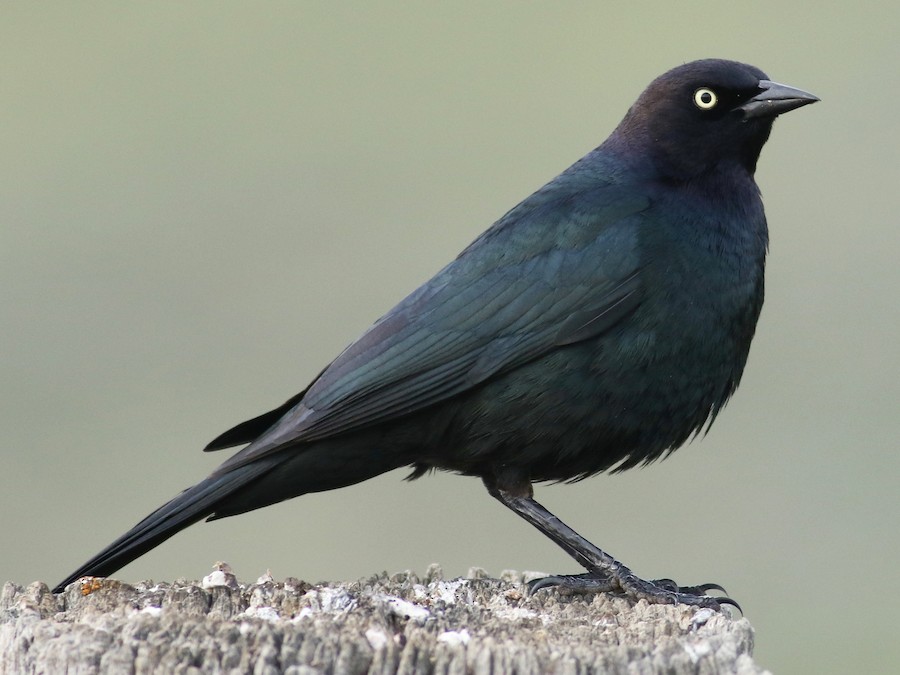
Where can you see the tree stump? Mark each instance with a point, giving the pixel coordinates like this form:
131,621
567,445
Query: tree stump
383,624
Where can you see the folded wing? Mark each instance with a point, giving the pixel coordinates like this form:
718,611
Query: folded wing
527,286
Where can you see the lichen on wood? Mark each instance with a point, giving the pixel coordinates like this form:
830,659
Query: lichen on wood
382,624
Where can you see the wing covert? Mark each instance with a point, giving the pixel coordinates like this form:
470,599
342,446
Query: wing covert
517,292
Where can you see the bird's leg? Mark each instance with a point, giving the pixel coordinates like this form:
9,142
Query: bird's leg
605,573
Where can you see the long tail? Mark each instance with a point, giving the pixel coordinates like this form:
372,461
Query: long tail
192,505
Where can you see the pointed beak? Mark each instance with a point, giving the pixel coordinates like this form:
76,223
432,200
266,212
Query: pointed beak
775,99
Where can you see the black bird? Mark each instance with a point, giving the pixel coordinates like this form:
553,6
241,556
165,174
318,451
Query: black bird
594,327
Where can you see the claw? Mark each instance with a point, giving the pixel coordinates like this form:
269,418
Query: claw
701,589
543,582
705,588
729,601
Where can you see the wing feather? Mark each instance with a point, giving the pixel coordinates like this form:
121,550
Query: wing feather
525,287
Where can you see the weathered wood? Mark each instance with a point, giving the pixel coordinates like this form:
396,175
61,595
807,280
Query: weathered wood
397,624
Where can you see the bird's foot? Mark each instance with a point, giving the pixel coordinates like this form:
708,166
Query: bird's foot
658,591
605,573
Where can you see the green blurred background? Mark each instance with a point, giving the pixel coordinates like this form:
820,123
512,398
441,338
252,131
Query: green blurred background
202,203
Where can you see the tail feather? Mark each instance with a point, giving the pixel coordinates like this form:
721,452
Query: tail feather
187,508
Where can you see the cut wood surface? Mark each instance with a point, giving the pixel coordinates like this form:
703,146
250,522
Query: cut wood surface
383,624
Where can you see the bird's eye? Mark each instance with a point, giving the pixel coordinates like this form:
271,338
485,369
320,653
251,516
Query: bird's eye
705,98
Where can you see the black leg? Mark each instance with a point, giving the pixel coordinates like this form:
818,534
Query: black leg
605,573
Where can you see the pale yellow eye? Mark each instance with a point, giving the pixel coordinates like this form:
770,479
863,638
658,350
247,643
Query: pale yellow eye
705,98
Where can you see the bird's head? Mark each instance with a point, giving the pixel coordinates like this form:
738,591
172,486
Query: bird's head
704,113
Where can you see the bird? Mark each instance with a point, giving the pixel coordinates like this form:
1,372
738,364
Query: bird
595,327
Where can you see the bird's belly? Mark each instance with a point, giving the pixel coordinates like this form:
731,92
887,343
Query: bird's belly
577,411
